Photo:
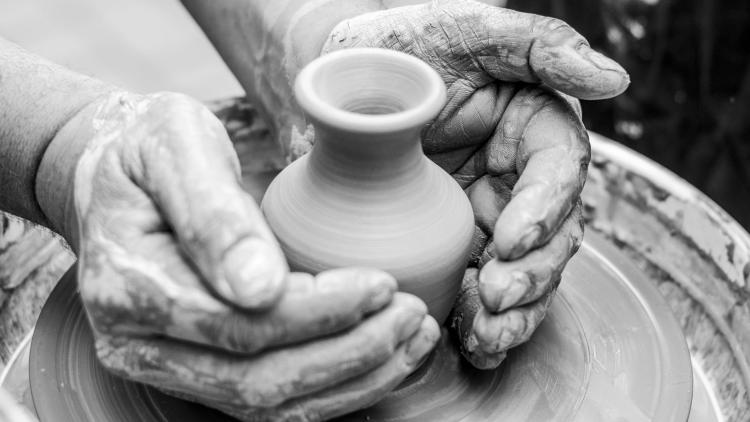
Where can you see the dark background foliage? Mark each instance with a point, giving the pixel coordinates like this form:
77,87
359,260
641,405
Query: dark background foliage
688,106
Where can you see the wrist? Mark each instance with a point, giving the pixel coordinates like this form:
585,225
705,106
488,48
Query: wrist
55,178
267,42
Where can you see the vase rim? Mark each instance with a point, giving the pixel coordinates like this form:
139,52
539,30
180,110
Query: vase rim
320,109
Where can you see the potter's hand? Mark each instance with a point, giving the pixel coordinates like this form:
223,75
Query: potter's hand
516,145
187,290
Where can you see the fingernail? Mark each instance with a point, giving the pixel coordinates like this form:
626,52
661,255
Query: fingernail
617,79
527,241
381,296
491,291
411,312
377,286
494,281
411,302
479,330
603,62
408,323
518,288
255,273
382,287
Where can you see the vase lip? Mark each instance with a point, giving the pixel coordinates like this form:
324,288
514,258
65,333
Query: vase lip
325,112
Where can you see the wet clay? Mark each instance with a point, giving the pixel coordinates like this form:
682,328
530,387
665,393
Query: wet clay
366,195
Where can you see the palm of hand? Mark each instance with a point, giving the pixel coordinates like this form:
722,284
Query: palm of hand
517,147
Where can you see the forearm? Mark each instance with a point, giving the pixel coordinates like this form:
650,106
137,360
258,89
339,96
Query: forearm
266,42
37,98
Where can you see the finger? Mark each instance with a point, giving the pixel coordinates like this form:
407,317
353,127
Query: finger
485,337
158,293
467,306
475,42
188,167
366,390
496,333
533,48
270,378
506,284
454,136
552,159
488,196
332,302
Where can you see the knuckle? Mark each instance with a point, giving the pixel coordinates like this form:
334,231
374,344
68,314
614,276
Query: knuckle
170,113
230,331
556,32
546,24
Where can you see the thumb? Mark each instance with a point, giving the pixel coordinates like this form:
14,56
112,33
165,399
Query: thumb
190,170
535,48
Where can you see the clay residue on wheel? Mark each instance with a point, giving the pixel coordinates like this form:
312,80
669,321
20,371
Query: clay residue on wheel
698,256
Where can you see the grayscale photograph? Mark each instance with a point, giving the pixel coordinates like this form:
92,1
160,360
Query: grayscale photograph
375,211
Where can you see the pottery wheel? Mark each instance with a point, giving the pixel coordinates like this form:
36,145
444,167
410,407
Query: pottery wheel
609,350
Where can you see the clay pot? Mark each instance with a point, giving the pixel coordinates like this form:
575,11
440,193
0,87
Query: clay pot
366,195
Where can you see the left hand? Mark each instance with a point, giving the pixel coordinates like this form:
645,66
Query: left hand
512,136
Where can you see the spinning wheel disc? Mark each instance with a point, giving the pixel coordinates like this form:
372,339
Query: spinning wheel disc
609,350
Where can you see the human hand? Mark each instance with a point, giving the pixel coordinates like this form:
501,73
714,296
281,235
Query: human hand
511,135
187,290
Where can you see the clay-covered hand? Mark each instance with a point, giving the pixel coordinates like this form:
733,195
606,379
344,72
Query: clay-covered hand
187,289
512,136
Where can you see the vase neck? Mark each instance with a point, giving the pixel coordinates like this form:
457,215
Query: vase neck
381,157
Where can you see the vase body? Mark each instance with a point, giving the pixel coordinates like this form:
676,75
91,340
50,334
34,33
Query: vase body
366,195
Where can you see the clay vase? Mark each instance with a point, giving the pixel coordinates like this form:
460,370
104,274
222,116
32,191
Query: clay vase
366,195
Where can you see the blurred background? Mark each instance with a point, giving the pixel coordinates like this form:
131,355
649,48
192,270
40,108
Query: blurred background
140,45
688,106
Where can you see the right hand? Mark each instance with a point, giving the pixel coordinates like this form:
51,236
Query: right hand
187,289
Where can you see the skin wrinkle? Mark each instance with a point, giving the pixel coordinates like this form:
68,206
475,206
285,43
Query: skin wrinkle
404,47
274,333
142,312
546,264
532,100
517,325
